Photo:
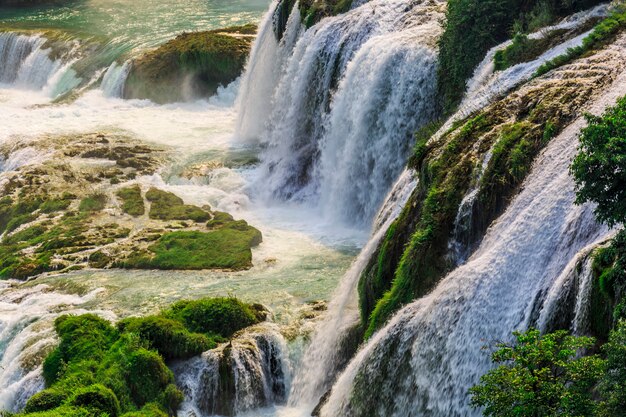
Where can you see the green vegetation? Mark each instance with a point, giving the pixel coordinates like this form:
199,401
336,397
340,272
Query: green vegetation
473,27
201,61
311,11
132,201
95,202
604,33
227,248
101,370
549,375
597,169
168,206
554,375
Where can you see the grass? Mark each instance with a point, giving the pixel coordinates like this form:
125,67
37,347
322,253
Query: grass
132,201
168,206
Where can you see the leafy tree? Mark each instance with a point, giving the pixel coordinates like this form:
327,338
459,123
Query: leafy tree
540,376
600,167
613,385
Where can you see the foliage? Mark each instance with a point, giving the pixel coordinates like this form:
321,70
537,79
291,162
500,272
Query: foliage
540,376
473,27
602,34
100,370
598,168
214,316
132,201
169,337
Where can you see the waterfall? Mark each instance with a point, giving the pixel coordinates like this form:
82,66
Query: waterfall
249,372
27,336
345,100
26,62
486,84
434,346
114,79
323,358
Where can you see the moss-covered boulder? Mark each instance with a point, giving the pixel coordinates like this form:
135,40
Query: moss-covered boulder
99,370
193,65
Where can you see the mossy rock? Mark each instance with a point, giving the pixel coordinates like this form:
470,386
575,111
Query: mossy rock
45,400
191,250
196,63
132,201
93,203
168,206
97,397
169,337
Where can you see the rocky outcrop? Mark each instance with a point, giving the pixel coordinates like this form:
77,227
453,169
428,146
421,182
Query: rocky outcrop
76,203
191,66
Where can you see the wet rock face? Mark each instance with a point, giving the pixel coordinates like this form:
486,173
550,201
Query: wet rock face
73,201
247,373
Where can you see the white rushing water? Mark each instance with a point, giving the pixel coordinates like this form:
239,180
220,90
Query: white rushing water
341,113
433,347
323,359
250,372
487,84
27,335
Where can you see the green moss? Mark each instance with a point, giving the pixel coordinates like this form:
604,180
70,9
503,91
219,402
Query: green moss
57,204
98,398
100,370
168,206
132,201
99,260
219,219
169,337
95,202
227,248
473,27
604,33
218,316
45,400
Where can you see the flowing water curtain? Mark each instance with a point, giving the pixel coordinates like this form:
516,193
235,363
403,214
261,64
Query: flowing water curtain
434,346
350,93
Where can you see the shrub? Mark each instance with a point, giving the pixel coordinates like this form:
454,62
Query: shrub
45,400
97,397
598,167
540,376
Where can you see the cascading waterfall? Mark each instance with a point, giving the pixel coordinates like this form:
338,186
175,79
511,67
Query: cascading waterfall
323,359
25,63
351,92
433,347
252,371
27,335
487,84
114,79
